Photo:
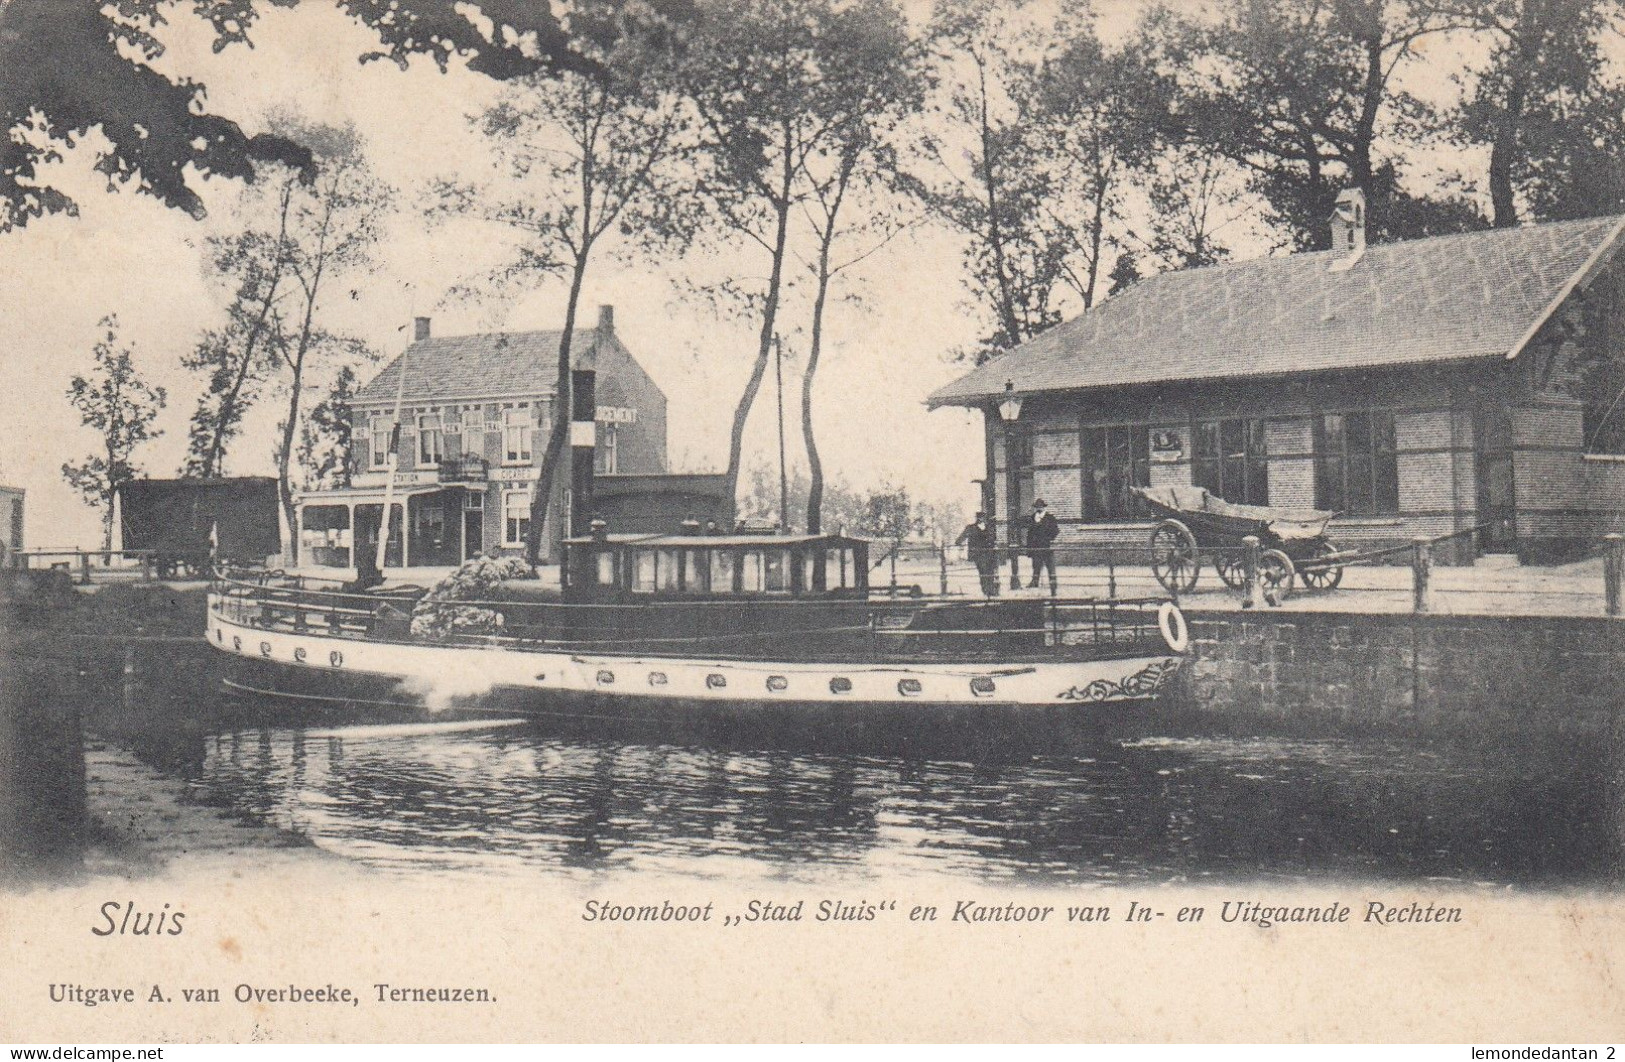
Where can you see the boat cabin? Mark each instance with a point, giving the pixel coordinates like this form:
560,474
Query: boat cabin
605,568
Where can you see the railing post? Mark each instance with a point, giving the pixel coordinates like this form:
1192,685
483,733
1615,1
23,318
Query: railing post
1421,574
1111,574
1249,571
1613,572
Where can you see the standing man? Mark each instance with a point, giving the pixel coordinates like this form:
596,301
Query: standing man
977,538
1041,530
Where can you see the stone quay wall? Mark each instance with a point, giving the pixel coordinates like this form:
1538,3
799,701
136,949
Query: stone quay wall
1326,673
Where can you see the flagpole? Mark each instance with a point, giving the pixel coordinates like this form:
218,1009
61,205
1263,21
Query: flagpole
784,477
392,462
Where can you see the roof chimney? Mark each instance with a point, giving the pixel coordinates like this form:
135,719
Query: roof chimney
420,328
1348,229
606,319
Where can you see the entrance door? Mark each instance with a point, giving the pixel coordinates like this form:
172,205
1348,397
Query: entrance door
1492,453
367,519
473,525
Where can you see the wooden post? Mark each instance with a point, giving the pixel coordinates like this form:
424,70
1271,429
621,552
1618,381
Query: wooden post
942,566
1613,572
894,569
1421,574
84,569
1249,569
1111,574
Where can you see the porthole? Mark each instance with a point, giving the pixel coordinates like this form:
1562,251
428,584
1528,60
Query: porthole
715,681
840,684
219,635
299,655
908,687
606,678
265,648
777,683
335,658
982,686
236,644
657,678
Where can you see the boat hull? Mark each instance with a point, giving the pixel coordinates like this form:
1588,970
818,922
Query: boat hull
316,666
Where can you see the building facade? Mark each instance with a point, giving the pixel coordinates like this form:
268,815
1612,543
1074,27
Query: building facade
476,412
1469,383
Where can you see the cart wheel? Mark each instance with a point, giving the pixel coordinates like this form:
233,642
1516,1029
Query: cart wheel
1275,572
1174,557
1232,568
1322,577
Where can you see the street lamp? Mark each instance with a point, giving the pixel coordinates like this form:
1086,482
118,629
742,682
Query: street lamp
1009,412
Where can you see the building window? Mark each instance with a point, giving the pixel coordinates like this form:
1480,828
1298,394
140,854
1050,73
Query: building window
516,432
431,523
382,435
473,427
1356,465
429,439
1232,461
1115,459
607,462
515,517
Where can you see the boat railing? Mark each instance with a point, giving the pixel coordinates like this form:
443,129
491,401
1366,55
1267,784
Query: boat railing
273,600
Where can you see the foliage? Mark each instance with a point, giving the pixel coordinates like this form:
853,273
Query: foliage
325,439
159,131
120,407
438,616
881,513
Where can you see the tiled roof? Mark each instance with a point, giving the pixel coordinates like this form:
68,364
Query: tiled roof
489,365
1470,295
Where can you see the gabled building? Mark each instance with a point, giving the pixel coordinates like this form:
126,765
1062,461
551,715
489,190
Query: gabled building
1416,388
476,411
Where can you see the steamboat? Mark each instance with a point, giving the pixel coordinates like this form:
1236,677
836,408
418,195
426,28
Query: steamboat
739,627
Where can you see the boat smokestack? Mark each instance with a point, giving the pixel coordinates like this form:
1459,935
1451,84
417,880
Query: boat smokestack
583,442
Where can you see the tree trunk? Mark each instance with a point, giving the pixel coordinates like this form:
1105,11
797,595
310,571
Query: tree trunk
995,236
815,467
770,311
289,429
557,436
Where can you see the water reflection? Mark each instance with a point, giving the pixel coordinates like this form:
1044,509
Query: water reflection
506,798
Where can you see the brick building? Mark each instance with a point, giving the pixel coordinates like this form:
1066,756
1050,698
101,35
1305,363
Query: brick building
476,411
1416,388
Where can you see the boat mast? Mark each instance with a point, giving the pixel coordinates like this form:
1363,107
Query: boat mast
392,462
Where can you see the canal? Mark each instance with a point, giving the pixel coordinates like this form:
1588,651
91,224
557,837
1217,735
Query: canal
484,797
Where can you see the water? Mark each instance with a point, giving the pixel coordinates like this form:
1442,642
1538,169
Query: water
514,799
500,797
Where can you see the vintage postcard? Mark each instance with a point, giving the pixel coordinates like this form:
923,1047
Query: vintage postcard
812,520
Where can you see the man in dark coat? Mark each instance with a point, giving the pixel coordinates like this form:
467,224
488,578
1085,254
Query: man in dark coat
1039,532
977,538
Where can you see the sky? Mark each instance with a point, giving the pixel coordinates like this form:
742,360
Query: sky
888,339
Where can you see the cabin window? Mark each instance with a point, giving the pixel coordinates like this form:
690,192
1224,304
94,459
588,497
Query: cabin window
809,562
722,572
515,517
1114,459
1604,424
429,439
694,571
1232,460
516,433
667,568
777,571
1356,466
643,571
750,572
381,440
606,569
835,573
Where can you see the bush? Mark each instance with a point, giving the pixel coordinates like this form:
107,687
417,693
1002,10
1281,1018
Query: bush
437,614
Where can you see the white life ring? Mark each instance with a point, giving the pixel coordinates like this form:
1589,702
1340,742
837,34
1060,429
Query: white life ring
1171,622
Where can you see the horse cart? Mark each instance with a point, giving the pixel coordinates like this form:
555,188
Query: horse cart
1293,542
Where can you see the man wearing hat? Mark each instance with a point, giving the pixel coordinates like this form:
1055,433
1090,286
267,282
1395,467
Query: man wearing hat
977,538
1040,530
